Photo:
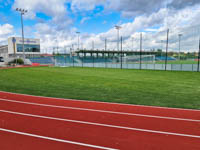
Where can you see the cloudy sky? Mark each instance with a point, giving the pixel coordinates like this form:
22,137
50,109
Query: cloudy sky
56,22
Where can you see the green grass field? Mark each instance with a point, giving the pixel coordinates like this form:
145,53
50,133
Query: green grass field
179,62
157,88
171,62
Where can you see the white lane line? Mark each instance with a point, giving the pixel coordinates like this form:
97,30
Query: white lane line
110,103
55,139
99,124
102,111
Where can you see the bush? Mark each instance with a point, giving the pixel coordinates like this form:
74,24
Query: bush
17,61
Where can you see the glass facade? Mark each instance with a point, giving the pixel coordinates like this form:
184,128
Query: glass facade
28,48
1,59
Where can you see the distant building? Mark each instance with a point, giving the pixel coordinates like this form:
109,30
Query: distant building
14,48
4,52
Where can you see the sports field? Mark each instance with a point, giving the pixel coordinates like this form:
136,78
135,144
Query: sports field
179,62
145,87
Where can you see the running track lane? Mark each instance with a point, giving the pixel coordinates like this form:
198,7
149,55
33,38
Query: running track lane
96,135
190,127
16,141
148,110
123,138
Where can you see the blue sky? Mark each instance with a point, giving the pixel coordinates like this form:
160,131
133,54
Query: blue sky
59,20
97,20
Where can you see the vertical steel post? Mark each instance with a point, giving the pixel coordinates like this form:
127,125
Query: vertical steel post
166,55
22,35
198,69
105,57
140,50
121,52
179,46
132,43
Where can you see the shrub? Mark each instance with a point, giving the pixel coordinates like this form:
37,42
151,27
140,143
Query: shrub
18,61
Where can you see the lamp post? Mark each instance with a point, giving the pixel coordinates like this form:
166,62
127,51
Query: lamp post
167,46
118,28
180,35
161,47
93,45
73,54
22,12
78,33
140,50
198,67
132,43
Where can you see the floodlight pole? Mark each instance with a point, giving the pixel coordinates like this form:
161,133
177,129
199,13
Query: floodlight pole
140,50
105,57
161,47
180,35
22,12
132,43
78,33
73,54
166,55
198,69
93,45
118,28
121,51
105,44
22,35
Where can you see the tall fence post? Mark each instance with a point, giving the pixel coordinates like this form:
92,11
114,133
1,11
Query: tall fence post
140,50
105,58
121,52
198,57
166,55
93,59
82,59
73,60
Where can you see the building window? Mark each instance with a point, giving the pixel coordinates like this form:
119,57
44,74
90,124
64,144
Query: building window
1,59
28,48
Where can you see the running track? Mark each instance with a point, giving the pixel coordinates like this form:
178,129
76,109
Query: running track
41,123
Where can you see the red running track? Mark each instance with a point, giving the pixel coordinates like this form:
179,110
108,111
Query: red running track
33,122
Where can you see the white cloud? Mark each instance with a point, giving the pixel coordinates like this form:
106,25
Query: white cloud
50,7
84,20
86,5
5,31
151,16
178,22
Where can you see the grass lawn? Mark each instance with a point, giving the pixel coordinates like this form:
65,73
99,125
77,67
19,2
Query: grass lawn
171,62
179,62
158,88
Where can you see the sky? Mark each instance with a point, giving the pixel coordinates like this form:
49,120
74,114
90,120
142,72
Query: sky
55,23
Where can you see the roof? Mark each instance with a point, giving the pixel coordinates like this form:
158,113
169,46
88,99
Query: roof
46,55
2,46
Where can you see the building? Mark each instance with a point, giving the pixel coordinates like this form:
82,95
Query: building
4,52
15,48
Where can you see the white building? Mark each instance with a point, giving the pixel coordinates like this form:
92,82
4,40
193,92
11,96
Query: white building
14,48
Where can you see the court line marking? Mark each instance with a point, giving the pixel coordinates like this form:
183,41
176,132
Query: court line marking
98,102
103,125
102,111
55,139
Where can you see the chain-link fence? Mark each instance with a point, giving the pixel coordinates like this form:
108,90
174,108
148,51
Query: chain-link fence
111,62
175,49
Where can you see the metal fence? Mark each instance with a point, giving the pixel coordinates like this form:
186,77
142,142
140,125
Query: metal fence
111,63
174,49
